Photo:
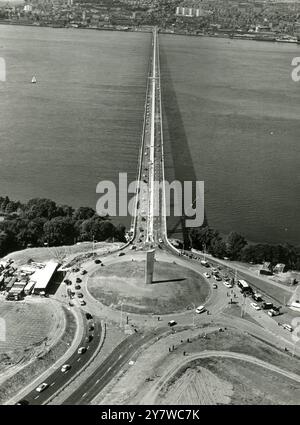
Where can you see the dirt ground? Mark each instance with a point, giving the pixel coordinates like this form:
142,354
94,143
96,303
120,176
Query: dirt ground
174,288
30,327
239,383
229,381
45,357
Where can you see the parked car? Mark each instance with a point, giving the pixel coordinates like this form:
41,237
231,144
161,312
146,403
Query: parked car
207,275
121,253
83,272
273,312
81,350
287,327
82,302
266,306
42,387
77,287
88,316
172,323
227,284
217,278
78,280
65,368
91,328
80,295
200,309
215,286
257,297
97,261
71,304
89,338
255,306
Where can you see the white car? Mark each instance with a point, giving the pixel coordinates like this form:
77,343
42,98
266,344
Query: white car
65,367
42,387
81,350
217,278
227,284
287,327
160,240
207,275
200,309
255,306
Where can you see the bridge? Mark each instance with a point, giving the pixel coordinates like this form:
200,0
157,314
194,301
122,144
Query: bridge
149,223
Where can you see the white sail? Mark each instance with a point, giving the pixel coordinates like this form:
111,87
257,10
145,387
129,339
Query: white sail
33,80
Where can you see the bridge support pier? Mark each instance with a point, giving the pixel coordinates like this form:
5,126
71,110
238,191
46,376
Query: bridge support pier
149,266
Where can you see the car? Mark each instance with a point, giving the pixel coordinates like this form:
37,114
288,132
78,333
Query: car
89,338
78,280
81,350
273,312
200,309
227,284
83,272
91,328
97,261
207,275
42,387
121,253
215,286
133,247
75,269
82,302
217,278
80,295
257,297
160,240
77,287
204,263
68,281
287,327
22,402
255,306
65,368
172,323
71,304
88,316
266,306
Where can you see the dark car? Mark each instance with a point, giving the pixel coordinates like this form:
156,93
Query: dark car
22,403
80,295
88,316
121,253
172,323
78,280
77,287
97,261
83,272
91,328
89,338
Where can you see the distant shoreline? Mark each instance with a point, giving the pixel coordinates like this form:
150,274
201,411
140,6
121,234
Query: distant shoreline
235,36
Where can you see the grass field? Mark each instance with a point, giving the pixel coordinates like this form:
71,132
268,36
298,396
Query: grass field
174,288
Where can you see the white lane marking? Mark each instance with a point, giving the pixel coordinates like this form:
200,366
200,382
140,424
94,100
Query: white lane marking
51,385
84,395
79,358
109,368
120,356
36,397
97,381
87,347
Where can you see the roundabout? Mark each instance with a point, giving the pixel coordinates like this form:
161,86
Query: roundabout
174,288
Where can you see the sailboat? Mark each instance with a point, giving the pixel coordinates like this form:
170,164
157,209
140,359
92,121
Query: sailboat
33,80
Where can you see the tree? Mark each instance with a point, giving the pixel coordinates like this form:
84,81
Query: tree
39,207
84,213
235,243
59,231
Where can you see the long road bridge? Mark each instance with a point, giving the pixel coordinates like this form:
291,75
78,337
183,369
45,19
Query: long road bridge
149,224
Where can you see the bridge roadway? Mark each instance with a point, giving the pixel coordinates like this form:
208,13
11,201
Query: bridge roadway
150,222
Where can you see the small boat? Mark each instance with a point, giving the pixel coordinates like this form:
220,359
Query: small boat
33,80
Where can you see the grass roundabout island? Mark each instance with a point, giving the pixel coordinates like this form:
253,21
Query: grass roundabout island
174,288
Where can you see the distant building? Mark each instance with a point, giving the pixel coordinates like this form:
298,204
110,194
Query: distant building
279,268
191,12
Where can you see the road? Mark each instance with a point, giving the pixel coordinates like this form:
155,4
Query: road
59,379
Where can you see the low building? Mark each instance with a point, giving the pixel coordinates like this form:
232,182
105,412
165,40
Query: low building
279,268
42,277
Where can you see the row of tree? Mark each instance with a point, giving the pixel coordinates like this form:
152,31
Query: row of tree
42,222
235,247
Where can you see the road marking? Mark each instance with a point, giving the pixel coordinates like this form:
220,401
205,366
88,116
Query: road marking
109,368
52,384
79,358
84,395
36,397
120,356
97,381
87,347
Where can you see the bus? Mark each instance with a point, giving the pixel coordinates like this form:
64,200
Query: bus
244,286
